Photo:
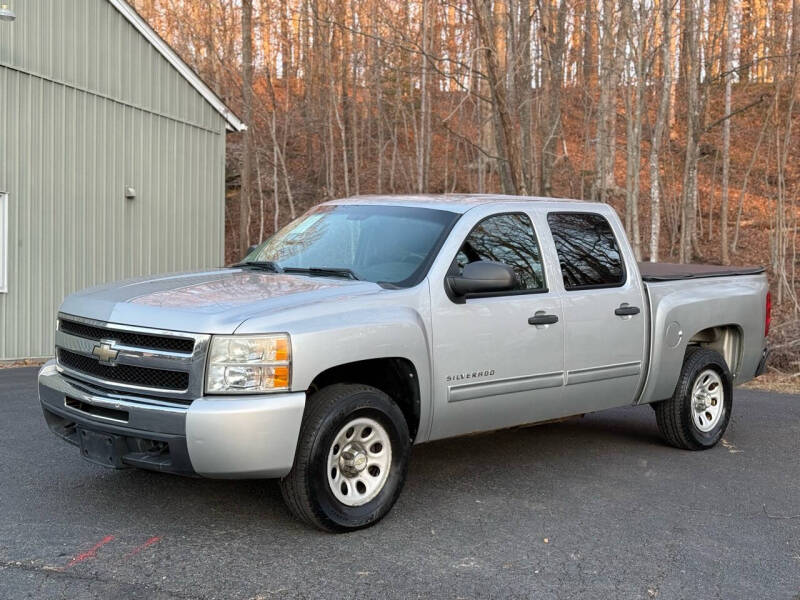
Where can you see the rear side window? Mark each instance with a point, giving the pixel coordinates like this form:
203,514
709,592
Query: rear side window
508,239
587,250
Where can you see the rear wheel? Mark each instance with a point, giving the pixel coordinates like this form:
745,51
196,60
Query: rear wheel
351,459
696,416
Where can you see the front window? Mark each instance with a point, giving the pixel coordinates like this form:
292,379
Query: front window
392,245
508,239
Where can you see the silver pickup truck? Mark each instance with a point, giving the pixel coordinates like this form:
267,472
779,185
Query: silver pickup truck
373,323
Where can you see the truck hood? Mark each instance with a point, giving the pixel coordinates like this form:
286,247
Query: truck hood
215,301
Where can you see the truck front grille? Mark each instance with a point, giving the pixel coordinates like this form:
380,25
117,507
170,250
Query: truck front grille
129,338
141,376
132,360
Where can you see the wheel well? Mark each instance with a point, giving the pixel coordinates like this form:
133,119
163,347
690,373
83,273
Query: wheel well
396,377
725,339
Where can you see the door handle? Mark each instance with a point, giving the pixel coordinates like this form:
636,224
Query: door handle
625,310
543,320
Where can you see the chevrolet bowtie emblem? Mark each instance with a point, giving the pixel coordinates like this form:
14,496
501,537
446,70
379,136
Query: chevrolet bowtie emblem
105,353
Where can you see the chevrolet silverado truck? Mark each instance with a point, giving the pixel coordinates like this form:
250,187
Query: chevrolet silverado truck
370,324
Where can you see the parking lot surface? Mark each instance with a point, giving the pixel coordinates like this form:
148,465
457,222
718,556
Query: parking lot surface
594,507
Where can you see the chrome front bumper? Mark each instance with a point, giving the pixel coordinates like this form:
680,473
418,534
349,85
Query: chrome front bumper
214,436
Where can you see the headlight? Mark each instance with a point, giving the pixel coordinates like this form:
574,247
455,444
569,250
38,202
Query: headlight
248,364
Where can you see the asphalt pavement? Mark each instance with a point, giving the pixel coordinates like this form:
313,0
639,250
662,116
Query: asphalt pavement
595,507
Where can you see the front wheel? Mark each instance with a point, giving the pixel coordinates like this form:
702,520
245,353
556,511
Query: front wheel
351,459
696,416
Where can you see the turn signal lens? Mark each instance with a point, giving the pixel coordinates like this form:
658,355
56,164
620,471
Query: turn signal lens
280,377
249,364
281,349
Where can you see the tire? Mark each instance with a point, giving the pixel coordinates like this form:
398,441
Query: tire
344,503
697,421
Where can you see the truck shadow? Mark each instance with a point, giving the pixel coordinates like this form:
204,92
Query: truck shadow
440,472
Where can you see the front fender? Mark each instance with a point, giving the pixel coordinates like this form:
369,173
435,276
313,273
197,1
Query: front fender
336,338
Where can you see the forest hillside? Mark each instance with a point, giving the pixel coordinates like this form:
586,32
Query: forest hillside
682,114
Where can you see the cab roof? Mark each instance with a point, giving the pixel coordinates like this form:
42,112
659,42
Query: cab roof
458,203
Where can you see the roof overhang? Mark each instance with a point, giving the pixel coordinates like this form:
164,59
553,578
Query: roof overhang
233,123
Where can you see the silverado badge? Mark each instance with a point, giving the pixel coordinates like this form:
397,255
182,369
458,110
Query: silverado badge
470,375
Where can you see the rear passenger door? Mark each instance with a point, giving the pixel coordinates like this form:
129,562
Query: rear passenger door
604,315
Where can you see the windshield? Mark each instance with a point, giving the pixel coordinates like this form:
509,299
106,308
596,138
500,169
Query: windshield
383,244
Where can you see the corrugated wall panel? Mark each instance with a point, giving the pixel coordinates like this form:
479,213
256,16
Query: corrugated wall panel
99,110
87,44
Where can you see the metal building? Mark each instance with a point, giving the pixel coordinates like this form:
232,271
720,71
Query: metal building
112,160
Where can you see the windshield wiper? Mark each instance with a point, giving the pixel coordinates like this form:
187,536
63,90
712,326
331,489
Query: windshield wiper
267,265
324,271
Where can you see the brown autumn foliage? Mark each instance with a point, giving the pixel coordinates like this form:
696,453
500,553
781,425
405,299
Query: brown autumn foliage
546,97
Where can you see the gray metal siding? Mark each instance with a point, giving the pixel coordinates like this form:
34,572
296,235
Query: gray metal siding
89,45
82,115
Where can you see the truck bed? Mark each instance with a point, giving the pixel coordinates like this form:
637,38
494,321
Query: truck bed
674,271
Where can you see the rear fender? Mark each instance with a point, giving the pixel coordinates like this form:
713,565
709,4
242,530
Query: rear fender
682,309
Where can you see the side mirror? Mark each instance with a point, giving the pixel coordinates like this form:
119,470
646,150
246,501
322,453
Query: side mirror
483,276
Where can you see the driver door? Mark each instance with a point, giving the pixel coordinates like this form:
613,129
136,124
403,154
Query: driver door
495,365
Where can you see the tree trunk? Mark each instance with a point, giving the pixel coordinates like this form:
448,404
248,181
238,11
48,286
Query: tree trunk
424,131
746,41
658,129
784,145
693,132
747,172
355,131
286,43
506,137
247,137
524,92
634,101
611,61
726,136
795,37
674,49
553,44
589,70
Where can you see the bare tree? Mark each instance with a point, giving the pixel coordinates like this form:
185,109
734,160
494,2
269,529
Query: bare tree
612,56
247,138
554,20
641,23
506,136
657,136
726,134
522,83
345,97
691,76
423,139
794,46
589,67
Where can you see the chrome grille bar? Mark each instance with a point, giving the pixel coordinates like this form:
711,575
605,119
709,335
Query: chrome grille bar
141,368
